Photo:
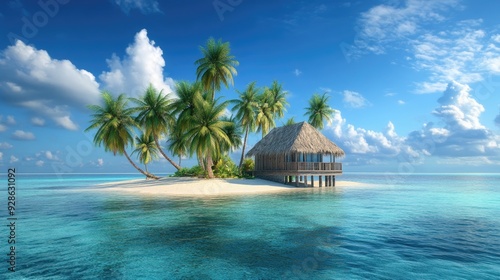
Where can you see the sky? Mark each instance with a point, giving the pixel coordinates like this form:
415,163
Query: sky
415,83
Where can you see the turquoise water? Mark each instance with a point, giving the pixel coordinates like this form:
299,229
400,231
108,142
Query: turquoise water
444,226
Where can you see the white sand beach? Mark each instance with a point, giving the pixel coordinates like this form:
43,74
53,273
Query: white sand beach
173,186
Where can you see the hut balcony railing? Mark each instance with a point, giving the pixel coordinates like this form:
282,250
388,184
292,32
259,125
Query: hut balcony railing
305,166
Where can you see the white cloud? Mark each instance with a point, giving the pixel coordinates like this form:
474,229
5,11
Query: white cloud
145,6
13,159
100,162
496,38
30,77
464,51
38,121
364,146
401,102
39,163
430,87
11,120
3,128
354,99
384,24
23,135
142,65
297,72
461,134
48,155
458,54
497,120
5,145
59,114
1,156
458,134
459,110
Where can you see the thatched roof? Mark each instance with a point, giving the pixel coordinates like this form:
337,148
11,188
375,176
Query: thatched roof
300,137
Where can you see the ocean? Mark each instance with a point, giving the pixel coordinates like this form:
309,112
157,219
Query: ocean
418,226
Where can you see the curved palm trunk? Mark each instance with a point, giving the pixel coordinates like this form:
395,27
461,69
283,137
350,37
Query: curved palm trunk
165,155
244,146
138,168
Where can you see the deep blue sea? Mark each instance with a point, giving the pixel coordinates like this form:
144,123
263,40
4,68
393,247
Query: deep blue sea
426,226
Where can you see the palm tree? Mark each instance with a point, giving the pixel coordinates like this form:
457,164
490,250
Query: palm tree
290,121
264,119
233,132
206,133
184,109
176,143
154,114
245,107
277,99
216,67
184,103
114,124
319,111
146,149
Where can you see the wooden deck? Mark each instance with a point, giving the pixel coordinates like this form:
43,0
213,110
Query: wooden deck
303,168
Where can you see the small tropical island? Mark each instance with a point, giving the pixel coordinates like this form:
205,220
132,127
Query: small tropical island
194,122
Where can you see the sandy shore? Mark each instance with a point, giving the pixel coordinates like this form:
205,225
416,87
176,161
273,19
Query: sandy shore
203,187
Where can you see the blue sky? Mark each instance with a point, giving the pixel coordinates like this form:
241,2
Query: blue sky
415,83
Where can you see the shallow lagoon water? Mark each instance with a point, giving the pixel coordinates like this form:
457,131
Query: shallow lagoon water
430,226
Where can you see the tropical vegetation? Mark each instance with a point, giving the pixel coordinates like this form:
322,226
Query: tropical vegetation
194,123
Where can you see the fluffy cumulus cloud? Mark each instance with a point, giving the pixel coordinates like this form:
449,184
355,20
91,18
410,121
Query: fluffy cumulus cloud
354,99
460,132
144,6
364,146
23,135
142,65
30,78
100,162
457,133
39,163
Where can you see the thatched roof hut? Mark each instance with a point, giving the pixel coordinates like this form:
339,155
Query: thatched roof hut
294,152
297,138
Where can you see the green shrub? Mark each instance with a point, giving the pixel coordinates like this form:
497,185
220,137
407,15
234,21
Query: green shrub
194,171
226,168
247,168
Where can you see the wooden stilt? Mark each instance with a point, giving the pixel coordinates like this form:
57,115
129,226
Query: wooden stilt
305,181
320,181
312,181
333,179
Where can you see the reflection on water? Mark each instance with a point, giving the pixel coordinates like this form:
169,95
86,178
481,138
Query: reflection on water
421,227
